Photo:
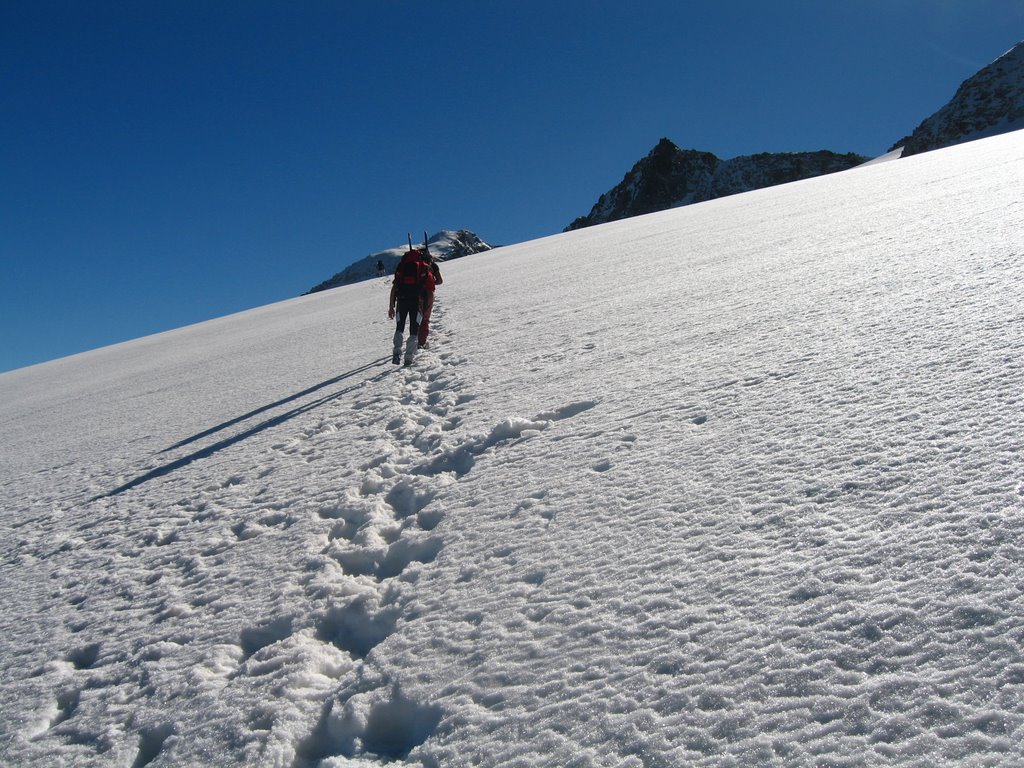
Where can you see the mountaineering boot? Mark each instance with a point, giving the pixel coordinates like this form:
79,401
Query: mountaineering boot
397,351
410,349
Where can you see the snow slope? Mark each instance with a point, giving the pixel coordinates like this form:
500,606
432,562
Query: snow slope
754,500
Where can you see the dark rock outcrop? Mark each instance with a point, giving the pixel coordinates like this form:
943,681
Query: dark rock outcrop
670,177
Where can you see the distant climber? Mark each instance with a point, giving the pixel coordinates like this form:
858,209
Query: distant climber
427,301
412,278
380,268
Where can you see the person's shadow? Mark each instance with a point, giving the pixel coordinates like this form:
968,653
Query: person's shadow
238,437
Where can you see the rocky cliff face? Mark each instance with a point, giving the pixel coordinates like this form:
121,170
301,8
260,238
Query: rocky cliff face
986,104
444,246
670,177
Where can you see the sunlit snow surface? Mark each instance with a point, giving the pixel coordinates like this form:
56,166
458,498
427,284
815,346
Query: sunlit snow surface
734,484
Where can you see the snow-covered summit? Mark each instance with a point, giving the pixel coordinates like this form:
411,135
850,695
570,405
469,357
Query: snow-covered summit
988,103
446,245
757,500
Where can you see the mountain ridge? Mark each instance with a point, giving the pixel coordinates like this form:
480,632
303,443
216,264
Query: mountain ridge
988,103
445,245
669,177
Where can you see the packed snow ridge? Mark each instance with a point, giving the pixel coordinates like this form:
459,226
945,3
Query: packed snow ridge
756,500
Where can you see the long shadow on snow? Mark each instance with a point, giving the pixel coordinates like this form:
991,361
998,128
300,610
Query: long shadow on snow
209,450
271,406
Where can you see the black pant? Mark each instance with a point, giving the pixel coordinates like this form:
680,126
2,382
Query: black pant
408,306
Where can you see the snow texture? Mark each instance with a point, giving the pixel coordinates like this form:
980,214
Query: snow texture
733,484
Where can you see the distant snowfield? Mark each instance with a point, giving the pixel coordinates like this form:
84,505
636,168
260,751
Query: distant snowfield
740,484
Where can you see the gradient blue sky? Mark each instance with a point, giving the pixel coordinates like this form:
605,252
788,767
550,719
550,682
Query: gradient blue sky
169,161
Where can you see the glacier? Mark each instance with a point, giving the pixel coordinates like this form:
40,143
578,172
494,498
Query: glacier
739,483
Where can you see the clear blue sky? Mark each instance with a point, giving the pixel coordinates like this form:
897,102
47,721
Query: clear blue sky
169,161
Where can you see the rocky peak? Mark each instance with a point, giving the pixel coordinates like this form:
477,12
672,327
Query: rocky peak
669,177
988,103
447,244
